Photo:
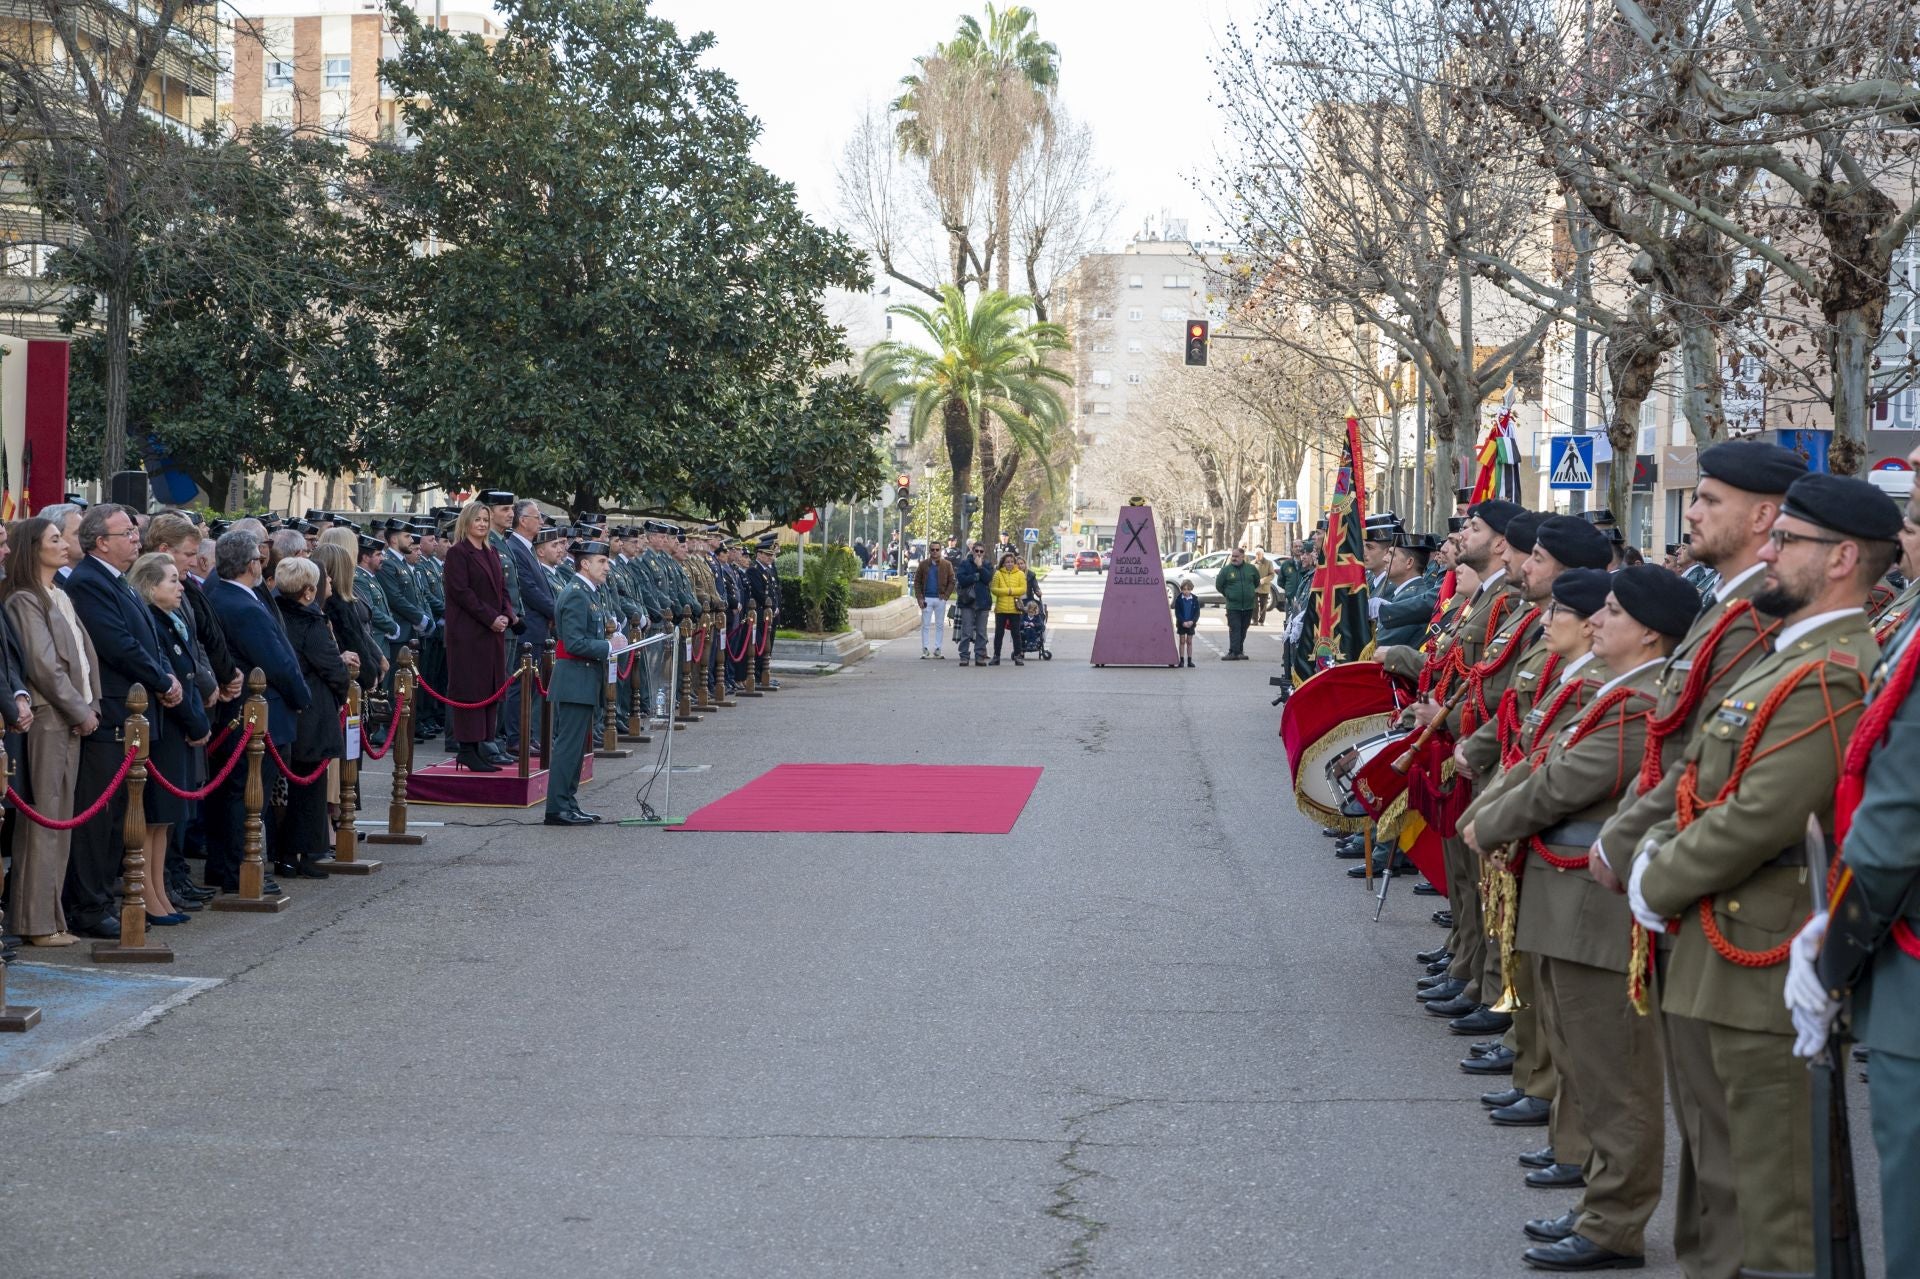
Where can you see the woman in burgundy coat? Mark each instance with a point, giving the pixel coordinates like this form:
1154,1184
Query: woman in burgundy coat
478,615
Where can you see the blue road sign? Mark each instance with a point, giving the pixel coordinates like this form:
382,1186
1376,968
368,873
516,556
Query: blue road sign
1030,535
1190,536
1286,511
1570,462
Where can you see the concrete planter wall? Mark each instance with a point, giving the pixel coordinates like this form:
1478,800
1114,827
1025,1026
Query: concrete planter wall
888,621
831,653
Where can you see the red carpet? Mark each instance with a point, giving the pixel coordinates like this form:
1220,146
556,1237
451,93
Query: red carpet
905,799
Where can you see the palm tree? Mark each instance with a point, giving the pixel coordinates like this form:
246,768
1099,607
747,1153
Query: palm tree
1003,76
986,366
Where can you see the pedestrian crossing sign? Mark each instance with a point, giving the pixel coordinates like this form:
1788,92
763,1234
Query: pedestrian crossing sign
1570,462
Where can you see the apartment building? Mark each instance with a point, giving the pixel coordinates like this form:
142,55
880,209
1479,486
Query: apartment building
316,66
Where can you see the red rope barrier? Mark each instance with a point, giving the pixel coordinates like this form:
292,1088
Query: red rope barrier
366,738
293,778
766,642
746,641
627,670
700,646
444,700
219,779
73,823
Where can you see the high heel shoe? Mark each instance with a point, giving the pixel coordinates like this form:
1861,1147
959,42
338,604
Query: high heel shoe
168,921
473,761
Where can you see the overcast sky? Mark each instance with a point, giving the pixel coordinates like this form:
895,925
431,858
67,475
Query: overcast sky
1138,73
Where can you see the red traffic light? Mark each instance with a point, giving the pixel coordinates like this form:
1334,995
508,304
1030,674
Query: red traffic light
1196,330
1196,342
902,480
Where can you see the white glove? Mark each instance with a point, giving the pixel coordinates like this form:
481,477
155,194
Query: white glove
1806,997
1638,900
1373,608
1599,854
1294,624
1810,1032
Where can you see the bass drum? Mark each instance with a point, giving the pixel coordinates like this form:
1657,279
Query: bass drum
1327,717
1351,771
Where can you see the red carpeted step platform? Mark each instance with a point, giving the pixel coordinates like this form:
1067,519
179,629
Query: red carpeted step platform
447,783
903,799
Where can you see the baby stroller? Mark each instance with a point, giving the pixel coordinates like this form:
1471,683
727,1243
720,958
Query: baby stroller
1033,628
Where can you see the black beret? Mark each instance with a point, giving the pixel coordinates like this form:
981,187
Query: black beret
1495,513
1657,598
1575,543
1522,528
370,544
1753,466
494,497
1583,590
580,550
1845,505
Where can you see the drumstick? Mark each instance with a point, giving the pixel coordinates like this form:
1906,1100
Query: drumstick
1421,738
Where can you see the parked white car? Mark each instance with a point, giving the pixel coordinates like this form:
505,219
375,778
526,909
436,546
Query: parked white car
1201,572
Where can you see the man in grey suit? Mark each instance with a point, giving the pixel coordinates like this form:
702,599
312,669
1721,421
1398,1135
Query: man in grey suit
579,679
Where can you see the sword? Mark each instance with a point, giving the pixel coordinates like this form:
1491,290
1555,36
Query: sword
1836,1208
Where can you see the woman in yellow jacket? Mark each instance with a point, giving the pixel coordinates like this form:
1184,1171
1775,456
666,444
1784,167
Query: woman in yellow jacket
1009,584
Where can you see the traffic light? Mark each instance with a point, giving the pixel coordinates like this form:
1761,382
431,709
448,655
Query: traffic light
903,490
1196,342
970,503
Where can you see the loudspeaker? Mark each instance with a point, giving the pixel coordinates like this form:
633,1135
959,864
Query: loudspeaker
131,489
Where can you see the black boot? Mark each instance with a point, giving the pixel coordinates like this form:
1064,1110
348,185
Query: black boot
473,761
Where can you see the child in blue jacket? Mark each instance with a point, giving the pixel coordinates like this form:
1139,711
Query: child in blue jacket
1186,619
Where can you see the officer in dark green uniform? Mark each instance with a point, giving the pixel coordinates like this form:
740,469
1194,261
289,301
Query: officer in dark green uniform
579,680
387,631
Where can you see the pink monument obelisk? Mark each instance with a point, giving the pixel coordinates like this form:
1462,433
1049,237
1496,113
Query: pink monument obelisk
1136,622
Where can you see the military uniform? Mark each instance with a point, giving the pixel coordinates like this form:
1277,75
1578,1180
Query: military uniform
1738,867
1404,613
386,628
579,682
1884,859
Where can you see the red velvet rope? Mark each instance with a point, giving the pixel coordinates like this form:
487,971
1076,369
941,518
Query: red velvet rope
746,642
444,700
366,739
293,778
766,642
627,669
219,779
700,645
73,823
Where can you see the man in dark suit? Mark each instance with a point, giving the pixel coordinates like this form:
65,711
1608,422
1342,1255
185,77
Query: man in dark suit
256,637
121,628
536,595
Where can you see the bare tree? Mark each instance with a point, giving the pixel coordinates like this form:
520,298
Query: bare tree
104,97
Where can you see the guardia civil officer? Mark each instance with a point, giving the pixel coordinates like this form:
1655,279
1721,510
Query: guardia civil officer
579,679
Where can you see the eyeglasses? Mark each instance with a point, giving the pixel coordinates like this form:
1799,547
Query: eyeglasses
1783,539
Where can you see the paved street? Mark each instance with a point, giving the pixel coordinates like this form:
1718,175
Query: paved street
1150,1033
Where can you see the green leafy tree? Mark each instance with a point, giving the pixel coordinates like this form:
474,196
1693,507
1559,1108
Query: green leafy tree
986,367
596,295
253,352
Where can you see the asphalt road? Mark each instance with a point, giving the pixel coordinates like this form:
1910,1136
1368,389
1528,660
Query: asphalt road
1152,1032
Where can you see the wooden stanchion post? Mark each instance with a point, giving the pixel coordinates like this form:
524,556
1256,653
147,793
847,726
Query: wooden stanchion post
725,672
701,701
684,714
133,946
752,622
253,871
767,624
14,1018
400,739
546,704
610,747
346,839
636,681
525,692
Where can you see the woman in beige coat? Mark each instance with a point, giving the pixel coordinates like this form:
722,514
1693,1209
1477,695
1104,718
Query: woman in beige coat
63,680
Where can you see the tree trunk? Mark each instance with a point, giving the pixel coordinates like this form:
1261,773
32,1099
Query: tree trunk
1854,300
113,440
1855,335
958,430
996,477
1700,368
1635,349
1002,243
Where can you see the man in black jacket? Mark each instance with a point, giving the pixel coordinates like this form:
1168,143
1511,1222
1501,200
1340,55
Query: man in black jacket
121,627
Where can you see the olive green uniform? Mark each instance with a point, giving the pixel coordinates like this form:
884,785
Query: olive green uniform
579,682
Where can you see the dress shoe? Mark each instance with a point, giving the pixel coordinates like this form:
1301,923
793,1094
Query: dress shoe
1482,1021
1456,1006
1528,1112
592,817
1444,918
1380,868
1497,1062
192,904
1485,1046
270,887
1577,1252
1557,1177
1350,848
309,868
965,662
107,928
1541,1158
1552,1229
1435,955
1505,1097
1448,990
567,819
1333,832
1431,980
289,869
166,921
496,751
1439,966
1424,889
